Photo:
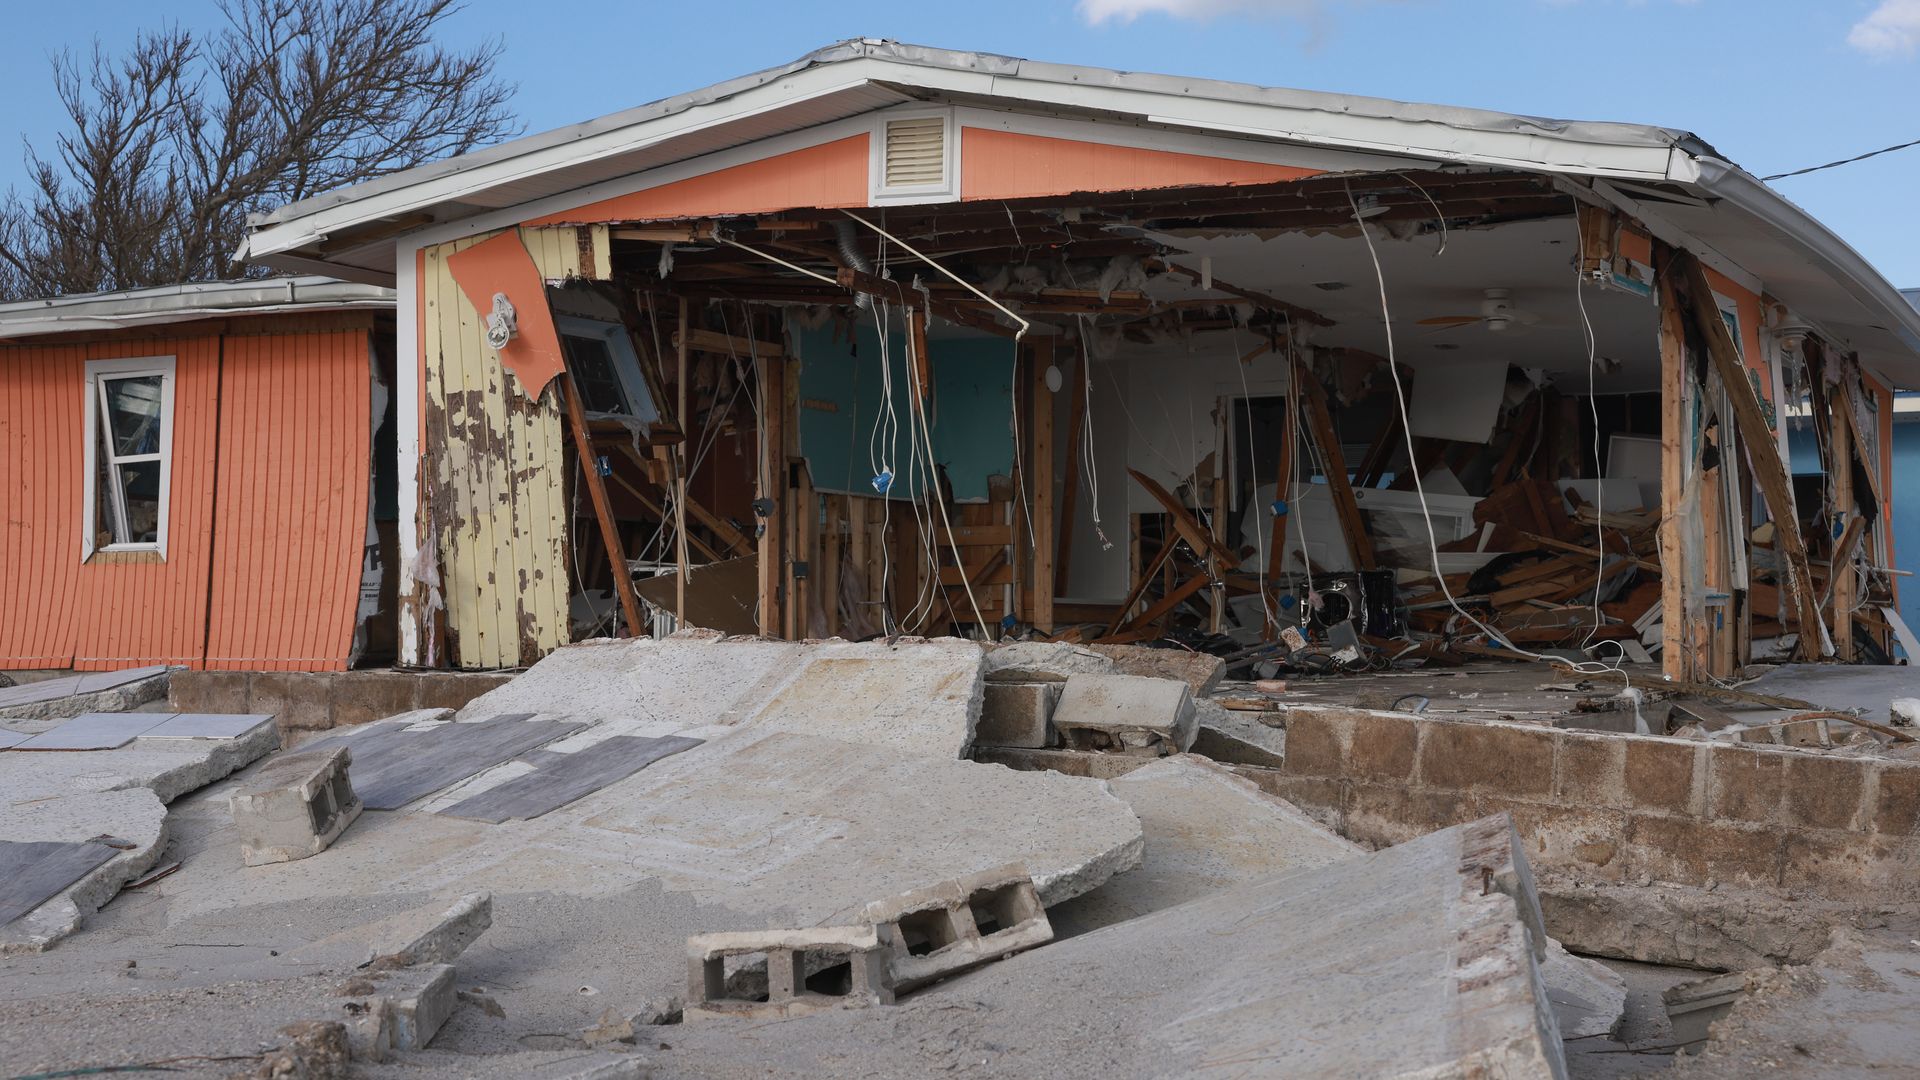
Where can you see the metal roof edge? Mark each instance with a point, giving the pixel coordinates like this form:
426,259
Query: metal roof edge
1731,182
189,300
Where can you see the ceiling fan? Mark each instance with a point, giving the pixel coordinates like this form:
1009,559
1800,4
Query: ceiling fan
1497,314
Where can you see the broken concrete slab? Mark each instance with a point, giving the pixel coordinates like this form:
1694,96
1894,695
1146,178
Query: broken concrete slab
397,762
83,692
1125,713
914,695
1589,998
1026,661
1206,830
1402,962
418,1001
557,779
1235,737
1200,671
295,806
432,934
946,928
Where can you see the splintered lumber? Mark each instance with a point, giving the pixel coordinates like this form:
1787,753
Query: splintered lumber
1769,471
1675,660
602,506
1168,602
1359,542
1140,584
1198,538
1562,545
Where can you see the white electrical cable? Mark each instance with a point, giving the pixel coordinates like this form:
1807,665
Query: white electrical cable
776,259
962,282
1406,429
1253,477
1599,468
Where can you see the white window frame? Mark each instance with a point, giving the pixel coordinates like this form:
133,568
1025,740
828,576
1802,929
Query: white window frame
626,361
878,191
100,372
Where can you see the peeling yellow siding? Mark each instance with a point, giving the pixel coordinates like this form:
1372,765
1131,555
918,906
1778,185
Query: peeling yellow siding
495,476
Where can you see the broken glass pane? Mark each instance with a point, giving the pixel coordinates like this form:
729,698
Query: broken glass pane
140,489
133,414
107,528
592,365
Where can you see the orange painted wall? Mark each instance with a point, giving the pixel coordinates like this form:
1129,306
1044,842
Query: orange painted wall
1010,165
827,176
274,539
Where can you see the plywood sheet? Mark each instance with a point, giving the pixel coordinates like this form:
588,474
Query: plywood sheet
95,731
33,873
560,779
393,766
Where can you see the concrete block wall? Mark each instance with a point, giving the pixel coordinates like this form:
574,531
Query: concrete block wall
1615,809
315,701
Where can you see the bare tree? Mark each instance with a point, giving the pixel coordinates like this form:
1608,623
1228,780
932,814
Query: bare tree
172,145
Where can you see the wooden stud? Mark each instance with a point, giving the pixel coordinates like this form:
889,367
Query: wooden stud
1842,581
1769,470
1141,583
1675,662
772,487
1070,488
602,506
831,546
680,472
1359,543
1040,478
1202,542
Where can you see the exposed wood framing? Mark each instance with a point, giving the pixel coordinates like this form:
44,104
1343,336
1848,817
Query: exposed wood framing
1769,470
1040,479
772,490
1320,423
1843,581
602,506
1676,662
1070,487
680,345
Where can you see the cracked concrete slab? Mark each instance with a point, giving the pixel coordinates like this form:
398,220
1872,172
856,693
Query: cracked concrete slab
1397,963
914,695
1206,830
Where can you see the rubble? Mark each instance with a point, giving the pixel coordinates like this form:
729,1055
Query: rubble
1236,737
295,806
85,692
802,972
944,929
1125,713
1199,671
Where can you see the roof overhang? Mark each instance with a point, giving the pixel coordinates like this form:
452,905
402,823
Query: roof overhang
353,232
186,303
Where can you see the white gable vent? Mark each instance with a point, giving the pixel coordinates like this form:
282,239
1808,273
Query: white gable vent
914,158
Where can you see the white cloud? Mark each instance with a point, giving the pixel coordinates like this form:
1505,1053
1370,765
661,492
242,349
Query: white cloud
1891,30
1099,11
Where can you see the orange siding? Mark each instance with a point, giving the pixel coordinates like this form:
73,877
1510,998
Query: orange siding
826,176
1009,165
286,537
502,266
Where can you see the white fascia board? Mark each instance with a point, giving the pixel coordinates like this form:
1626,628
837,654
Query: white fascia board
1842,263
310,228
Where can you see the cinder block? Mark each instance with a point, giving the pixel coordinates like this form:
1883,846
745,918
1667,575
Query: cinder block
1317,741
1745,783
944,929
361,697
453,689
1896,810
808,970
1382,747
1501,759
298,700
1590,770
1827,792
1387,814
1685,852
295,806
1017,714
1659,774
1125,713
209,691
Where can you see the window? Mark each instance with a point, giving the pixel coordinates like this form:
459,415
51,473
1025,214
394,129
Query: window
128,457
601,358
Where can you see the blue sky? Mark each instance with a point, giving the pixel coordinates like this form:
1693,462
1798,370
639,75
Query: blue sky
1774,84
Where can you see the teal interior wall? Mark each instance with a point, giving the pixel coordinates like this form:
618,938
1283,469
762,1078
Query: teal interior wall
843,392
1905,498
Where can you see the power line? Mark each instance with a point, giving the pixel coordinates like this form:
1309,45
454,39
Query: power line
1843,161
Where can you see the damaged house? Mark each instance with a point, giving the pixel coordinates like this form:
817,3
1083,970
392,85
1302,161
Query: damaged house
902,340
921,563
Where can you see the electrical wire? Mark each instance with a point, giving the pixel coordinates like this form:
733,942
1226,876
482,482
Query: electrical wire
1842,161
1406,430
1593,404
